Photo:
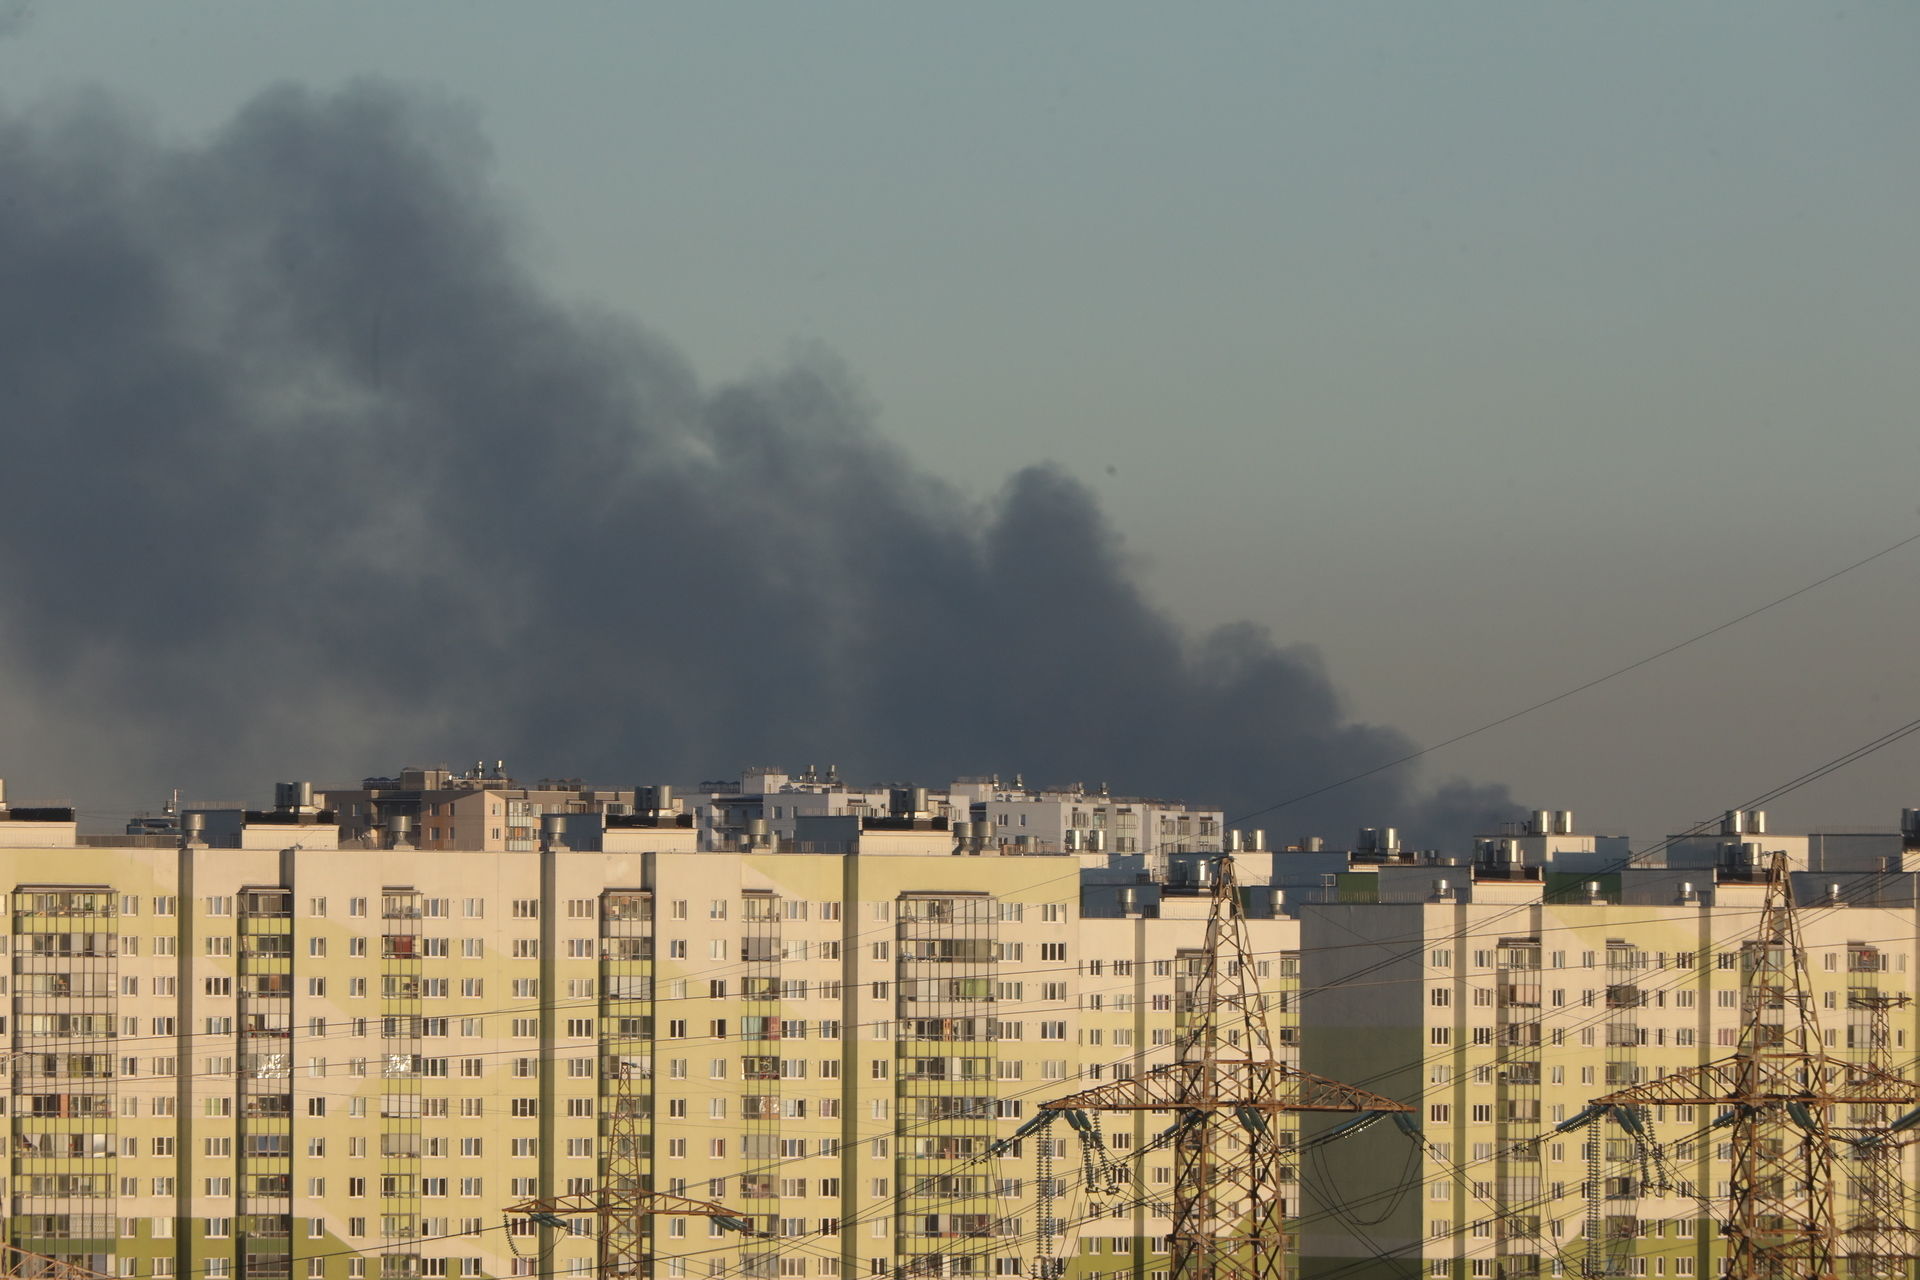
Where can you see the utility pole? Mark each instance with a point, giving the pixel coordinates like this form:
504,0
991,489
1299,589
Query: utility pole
622,1205
1781,1092
1227,1088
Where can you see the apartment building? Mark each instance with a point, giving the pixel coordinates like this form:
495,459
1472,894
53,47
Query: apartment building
290,1042
1502,993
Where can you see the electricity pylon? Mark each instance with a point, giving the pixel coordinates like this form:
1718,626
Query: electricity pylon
16,1261
1881,1241
622,1204
1782,1092
1226,1088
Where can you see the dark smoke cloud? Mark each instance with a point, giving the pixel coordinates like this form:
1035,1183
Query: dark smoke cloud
305,475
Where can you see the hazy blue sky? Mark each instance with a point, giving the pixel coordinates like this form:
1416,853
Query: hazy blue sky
1484,347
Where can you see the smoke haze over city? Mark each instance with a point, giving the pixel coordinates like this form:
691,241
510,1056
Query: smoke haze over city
342,485
654,391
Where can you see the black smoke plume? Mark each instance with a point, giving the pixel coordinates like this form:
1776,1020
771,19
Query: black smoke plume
306,476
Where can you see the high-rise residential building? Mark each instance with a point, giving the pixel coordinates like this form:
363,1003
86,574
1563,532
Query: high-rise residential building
336,1037
1502,993
292,1042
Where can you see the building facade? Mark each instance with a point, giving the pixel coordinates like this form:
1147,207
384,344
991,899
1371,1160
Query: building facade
295,1043
258,1049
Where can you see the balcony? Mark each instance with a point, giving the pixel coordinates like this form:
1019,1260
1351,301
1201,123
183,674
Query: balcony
626,908
947,950
1865,960
64,903
62,1106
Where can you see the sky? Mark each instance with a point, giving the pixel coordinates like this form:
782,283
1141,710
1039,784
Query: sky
1477,349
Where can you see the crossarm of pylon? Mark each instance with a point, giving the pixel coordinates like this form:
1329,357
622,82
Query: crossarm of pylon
1775,1078
24,1262
645,1203
1225,1085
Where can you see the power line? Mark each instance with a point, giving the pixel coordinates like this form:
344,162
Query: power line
1562,696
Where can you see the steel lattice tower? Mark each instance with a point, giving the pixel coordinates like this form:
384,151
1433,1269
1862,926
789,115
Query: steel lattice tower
1783,1092
15,1261
1227,1088
1882,1244
622,1205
